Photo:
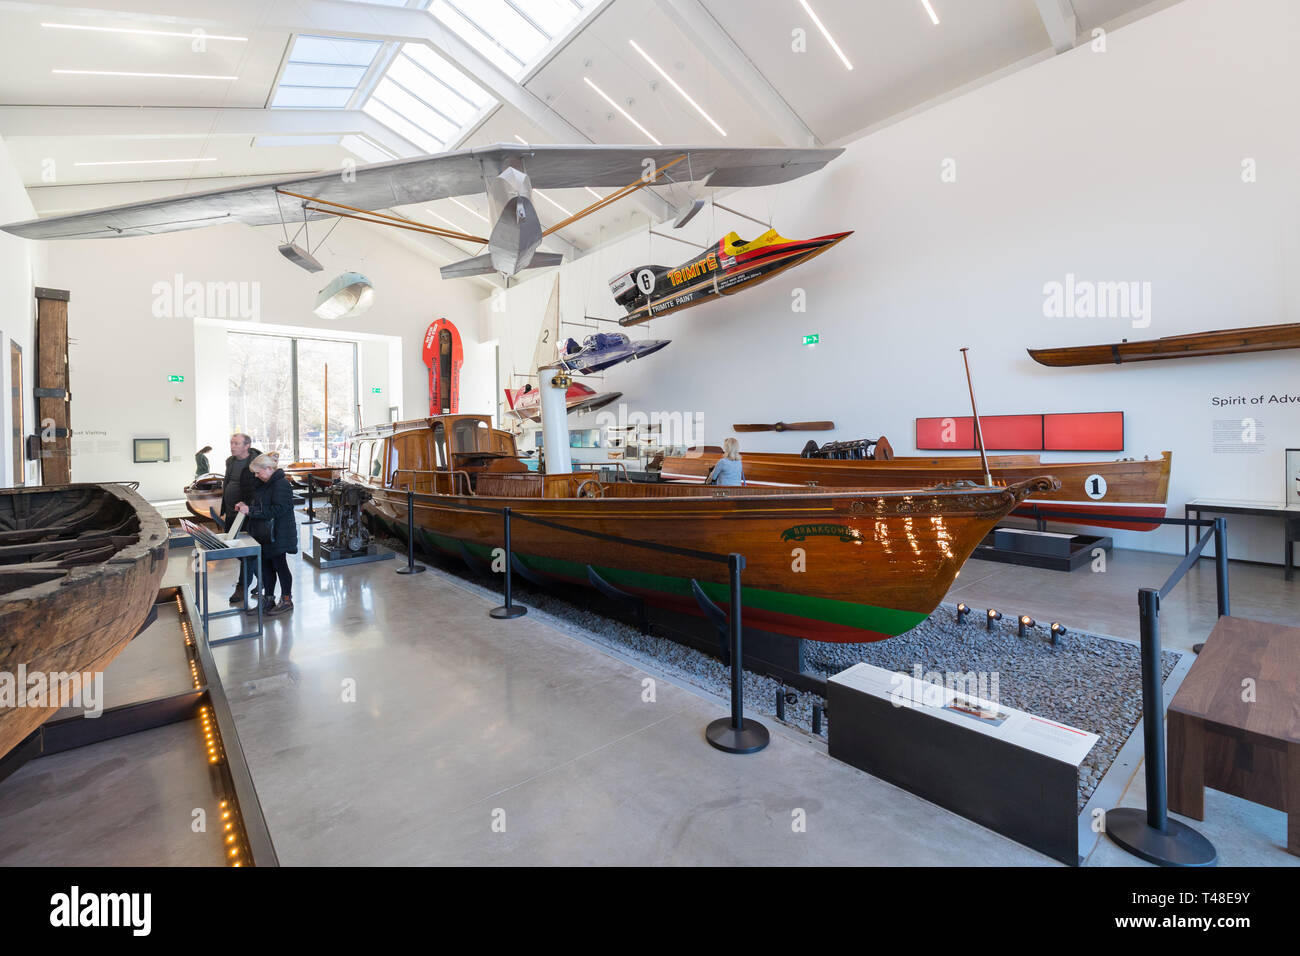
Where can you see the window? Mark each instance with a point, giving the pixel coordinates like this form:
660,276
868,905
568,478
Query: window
278,386
440,444
377,460
465,434
323,72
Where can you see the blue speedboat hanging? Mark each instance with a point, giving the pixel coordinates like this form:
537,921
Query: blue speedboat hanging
602,350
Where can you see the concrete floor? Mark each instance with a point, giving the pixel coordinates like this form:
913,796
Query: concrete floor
389,720
460,721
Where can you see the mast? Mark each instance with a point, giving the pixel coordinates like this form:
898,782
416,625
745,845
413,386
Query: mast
979,432
327,414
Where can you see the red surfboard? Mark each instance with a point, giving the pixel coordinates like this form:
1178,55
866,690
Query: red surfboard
443,355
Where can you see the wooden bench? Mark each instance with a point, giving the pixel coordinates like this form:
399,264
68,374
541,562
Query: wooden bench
1247,747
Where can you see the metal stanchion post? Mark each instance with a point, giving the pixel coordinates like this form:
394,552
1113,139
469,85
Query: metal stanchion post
1221,563
509,609
1151,835
736,734
411,566
311,500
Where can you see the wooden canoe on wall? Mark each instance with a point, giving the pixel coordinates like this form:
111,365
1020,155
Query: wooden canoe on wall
80,567
1106,489
830,565
1262,338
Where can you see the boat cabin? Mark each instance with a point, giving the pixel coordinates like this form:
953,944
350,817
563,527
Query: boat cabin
450,455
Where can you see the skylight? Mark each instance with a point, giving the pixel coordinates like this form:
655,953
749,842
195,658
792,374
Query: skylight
429,102
324,72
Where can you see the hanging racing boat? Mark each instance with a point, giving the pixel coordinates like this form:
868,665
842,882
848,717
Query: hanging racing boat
730,266
1262,338
444,356
603,350
1125,487
526,402
878,562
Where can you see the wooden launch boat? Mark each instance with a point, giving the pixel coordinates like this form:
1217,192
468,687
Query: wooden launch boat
1104,489
80,567
831,565
298,472
1260,338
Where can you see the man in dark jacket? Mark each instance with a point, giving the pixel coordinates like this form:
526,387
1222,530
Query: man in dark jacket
238,487
275,527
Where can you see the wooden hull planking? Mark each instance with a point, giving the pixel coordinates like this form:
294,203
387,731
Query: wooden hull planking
846,566
59,616
1128,488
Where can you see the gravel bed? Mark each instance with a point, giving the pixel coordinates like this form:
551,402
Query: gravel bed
1089,681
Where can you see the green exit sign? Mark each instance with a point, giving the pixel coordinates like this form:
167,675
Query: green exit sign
376,390
811,339
175,378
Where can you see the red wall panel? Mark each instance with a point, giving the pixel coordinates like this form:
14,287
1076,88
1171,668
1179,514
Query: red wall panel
1066,431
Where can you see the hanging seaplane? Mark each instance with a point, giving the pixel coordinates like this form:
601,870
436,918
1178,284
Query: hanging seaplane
507,174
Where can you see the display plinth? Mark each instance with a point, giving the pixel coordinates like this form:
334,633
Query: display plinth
1013,772
1040,549
324,556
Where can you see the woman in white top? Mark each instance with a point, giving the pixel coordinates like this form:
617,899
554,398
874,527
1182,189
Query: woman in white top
729,470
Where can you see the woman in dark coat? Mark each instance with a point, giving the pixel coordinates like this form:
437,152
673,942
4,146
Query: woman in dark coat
275,528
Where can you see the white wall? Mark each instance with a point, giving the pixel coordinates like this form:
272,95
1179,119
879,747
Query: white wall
122,352
1116,165
20,262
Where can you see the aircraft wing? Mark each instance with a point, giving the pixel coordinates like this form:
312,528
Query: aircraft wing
426,178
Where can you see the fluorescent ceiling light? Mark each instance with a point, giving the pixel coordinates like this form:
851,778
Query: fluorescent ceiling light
521,139
146,162
686,96
163,76
593,192
538,192
196,34
827,34
626,114
934,17
468,209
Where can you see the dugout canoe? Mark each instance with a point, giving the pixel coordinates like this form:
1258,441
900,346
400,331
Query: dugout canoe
845,565
80,567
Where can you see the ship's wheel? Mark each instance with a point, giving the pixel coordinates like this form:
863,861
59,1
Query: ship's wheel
590,488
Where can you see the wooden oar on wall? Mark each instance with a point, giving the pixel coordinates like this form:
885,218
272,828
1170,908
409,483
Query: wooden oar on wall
786,427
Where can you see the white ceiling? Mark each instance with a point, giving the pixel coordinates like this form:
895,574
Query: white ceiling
742,70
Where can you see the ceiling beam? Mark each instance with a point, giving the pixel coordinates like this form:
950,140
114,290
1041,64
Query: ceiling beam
1061,22
730,60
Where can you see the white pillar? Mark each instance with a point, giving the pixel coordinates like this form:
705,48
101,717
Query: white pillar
555,423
